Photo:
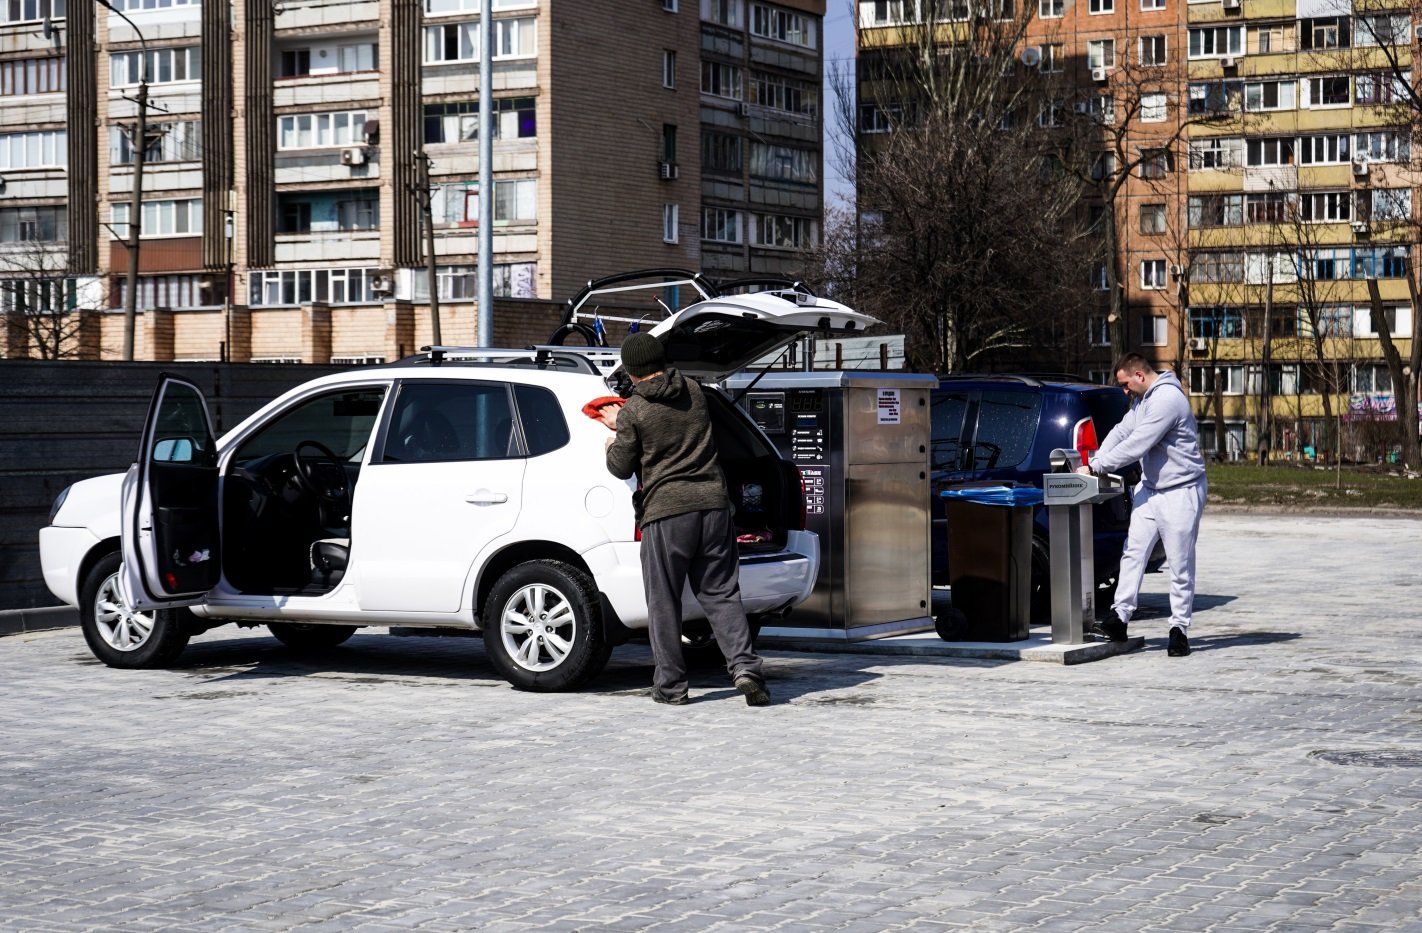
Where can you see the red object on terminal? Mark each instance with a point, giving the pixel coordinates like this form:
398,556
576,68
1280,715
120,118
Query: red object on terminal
1085,440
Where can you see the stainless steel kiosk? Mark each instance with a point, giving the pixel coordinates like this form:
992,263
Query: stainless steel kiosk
1069,496
860,440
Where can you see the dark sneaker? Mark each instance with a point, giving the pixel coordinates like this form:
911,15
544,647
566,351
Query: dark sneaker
753,690
1179,645
671,701
1113,629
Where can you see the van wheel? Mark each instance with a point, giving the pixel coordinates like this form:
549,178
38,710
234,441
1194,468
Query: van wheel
300,636
120,637
543,629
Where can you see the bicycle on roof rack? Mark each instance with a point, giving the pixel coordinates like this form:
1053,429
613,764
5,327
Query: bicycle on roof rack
584,315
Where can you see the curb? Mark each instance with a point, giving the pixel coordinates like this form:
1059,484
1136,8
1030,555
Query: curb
22,621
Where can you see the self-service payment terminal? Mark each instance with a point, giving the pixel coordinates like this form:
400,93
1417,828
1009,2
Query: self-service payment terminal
1069,496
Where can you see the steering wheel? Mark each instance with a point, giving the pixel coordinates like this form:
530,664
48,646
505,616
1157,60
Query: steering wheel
321,473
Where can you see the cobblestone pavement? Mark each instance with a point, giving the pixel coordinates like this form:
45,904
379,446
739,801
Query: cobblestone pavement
1271,781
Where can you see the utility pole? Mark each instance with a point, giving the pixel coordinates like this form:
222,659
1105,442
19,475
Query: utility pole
138,141
486,174
426,197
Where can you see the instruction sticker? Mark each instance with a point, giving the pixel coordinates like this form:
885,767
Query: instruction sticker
889,406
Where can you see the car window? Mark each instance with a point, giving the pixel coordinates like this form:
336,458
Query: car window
950,408
442,421
180,432
1007,425
342,421
1107,409
544,427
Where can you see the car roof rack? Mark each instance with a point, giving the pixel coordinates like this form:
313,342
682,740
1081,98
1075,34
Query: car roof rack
595,360
987,377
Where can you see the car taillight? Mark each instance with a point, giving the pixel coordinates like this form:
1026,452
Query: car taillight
1085,440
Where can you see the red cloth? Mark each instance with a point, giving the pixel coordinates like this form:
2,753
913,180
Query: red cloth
594,408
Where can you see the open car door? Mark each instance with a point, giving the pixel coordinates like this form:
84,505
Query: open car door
170,528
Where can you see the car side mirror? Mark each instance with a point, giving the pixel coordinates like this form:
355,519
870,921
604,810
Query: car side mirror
174,450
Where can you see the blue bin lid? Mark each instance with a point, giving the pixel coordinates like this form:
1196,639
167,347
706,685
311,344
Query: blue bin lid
996,495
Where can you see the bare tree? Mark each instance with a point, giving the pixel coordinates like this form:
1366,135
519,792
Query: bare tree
37,301
968,233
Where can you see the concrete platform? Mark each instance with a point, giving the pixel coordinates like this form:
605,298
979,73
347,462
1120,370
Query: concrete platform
1037,647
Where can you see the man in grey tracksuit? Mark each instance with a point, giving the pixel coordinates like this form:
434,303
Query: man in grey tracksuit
664,436
1159,430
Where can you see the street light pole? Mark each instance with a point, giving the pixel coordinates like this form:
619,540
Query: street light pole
139,143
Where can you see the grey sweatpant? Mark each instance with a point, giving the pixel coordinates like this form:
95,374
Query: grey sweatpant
699,547
1173,516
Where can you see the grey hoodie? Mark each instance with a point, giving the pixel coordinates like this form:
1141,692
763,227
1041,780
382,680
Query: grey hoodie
1160,431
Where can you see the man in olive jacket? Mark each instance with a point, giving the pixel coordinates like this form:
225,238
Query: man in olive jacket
664,436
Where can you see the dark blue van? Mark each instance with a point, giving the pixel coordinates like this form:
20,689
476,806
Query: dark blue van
1002,428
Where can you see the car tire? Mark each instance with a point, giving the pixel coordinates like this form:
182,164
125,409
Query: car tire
300,636
122,638
543,627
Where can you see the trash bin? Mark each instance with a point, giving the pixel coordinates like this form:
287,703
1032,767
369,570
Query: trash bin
990,560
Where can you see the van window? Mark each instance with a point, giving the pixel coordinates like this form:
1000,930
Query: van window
1007,425
949,411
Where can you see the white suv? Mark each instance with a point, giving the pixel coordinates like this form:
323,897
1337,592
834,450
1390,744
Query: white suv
455,490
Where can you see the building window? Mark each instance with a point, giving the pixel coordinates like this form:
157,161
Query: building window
670,233
21,77
784,163
1216,210
514,118
1099,279
1326,206
1153,107
720,226
161,218
1388,204
1152,51
1276,151
165,66
1153,273
780,232
1216,323
321,130
782,25
669,5
1152,219
34,224
1382,146
669,143
1154,330
1052,58
1217,267
1216,41
1269,95
174,142
725,12
721,153
1215,97
722,80
459,42
1095,7
1100,107
295,62
456,204
293,216
1325,32
669,68
1269,207
1383,88
784,94
437,7
1148,5
1273,37
278,287
1216,153
1204,379
1382,29
1327,91
1329,149
1101,53
1155,163
1051,9
173,291
1098,330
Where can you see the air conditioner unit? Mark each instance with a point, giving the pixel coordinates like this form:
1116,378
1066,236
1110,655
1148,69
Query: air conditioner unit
1098,75
668,170
353,156
382,284
1360,166
1361,227
743,109
1230,4
1199,344
1229,61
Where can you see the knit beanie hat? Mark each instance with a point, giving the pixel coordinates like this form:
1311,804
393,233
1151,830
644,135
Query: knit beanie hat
642,355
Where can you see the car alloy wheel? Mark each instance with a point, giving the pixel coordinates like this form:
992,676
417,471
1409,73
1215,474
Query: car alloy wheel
121,637
538,627
120,627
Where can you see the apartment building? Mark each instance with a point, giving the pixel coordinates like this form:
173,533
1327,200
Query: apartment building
1301,192
1272,177
295,147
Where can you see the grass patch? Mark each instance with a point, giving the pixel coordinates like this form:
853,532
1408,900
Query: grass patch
1305,486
